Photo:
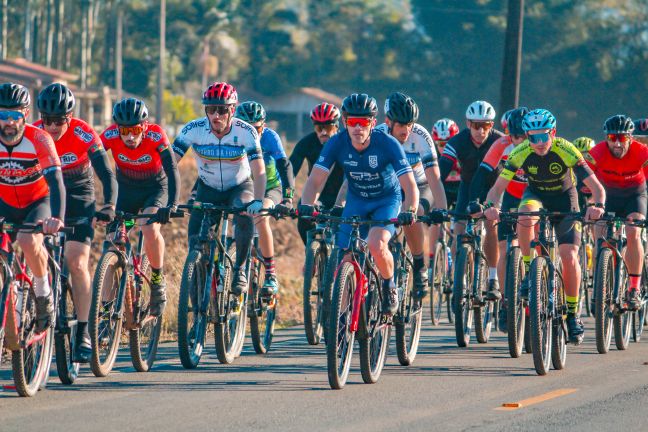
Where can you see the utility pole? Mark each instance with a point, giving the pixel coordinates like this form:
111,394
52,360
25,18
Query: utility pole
5,11
50,33
510,87
118,50
162,63
28,31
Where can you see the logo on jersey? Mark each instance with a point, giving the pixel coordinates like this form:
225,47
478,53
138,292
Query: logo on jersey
142,160
68,159
86,137
373,161
192,125
15,173
320,159
155,136
555,168
533,170
351,163
364,176
111,133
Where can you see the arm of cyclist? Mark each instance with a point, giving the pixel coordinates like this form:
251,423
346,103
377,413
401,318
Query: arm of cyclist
407,216
287,180
259,179
54,178
436,186
297,157
494,196
99,160
340,200
595,211
171,170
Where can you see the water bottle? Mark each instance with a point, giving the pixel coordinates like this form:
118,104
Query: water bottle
449,252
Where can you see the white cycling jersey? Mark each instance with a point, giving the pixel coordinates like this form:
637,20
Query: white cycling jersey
222,163
419,149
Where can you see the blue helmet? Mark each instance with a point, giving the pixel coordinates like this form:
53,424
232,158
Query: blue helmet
538,119
515,119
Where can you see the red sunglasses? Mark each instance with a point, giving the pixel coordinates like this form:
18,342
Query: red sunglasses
131,130
622,138
359,121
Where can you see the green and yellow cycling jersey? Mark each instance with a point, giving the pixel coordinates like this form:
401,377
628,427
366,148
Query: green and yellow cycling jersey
552,173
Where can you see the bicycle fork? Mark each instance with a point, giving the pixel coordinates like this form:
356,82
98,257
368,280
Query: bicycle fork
358,296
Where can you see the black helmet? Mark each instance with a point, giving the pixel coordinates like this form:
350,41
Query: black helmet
130,112
360,105
55,100
619,124
641,127
14,96
401,108
514,124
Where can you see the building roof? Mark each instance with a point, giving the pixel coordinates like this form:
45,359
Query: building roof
31,74
300,101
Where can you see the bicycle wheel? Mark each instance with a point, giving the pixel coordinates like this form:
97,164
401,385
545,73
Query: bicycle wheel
328,280
559,334
144,340
639,317
484,314
31,364
374,341
339,348
64,334
314,266
192,323
409,318
583,304
105,321
622,322
438,278
262,314
527,332
603,287
515,310
461,296
539,320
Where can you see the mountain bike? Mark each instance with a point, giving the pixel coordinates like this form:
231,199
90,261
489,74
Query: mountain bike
587,272
440,277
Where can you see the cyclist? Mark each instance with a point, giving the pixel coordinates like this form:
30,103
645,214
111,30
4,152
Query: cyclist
584,145
79,148
326,123
442,131
550,164
376,168
621,165
148,181
498,154
280,186
31,189
401,115
469,148
641,130
230,168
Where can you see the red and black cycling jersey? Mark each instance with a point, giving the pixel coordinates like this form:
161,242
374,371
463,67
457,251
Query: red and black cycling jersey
621,177
461,148
23,167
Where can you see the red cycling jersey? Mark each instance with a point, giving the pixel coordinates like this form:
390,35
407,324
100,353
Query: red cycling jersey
73,148
621,177
22,168
143,162
499,152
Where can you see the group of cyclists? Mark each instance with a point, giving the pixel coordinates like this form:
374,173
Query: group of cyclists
394,171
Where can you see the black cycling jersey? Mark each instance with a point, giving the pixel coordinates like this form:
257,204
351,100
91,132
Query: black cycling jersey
460,148
309,148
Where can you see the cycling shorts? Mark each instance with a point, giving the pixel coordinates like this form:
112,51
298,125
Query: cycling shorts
37,211
568,229
509,202
132,198
79,212
275,195
382,208
623,206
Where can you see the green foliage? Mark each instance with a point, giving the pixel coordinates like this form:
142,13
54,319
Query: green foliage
178,109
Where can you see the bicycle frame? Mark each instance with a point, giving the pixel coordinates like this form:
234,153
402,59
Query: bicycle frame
615,240
473,236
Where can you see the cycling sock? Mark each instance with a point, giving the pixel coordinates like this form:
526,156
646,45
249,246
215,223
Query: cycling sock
572,304
492,273
81,330
526,259
156,276
419,262
269,265
41,286
635,280
431,257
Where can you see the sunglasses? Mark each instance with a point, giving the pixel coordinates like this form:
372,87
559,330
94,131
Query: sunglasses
131,130
481,125
11,115
359,121
57,121
329,128
539,138
622,138
217,109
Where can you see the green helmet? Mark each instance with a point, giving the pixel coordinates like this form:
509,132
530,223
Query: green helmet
584,144
251,112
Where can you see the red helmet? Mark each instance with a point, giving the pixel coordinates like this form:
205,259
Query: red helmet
444,129
220,93
325,113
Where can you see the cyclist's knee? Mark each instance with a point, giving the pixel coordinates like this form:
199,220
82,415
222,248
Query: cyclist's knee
30,243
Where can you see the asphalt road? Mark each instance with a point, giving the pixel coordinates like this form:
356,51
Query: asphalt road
447,389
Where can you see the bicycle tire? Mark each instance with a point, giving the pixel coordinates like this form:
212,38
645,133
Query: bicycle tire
339,351
408,321
374,344
527,333
312,298
540,325
262,314
66,369
515,310
438,278
484,314
105,338
192,324
583,303
232,320
639,317
622,323
558,335
462,306
603,285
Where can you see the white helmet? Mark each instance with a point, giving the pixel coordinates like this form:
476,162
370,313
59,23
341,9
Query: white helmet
480,111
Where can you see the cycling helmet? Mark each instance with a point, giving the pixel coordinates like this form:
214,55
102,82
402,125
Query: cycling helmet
55,100
515,119
480,111
444,129
360,105
641,127
505,120
619,124
325,113
130,112
14,96
538,119
220,93
251,112
401,108
584,144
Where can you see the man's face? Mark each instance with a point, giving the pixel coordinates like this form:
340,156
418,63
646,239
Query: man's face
541,140
220,117
479,130
259,126
12,124
359,128
132,136
517,139
400,131
618,144
325,131
56,126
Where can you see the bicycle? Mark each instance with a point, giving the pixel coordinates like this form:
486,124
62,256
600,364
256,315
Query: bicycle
356,309
610,285
31,352
206,290
440,277
639,317
585,259
121,292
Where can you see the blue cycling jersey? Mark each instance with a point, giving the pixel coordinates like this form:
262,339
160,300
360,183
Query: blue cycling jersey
371,173
272,150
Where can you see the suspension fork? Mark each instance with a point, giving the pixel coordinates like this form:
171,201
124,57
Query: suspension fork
359,295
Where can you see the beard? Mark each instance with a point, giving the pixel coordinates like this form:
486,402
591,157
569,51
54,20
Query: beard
12,134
